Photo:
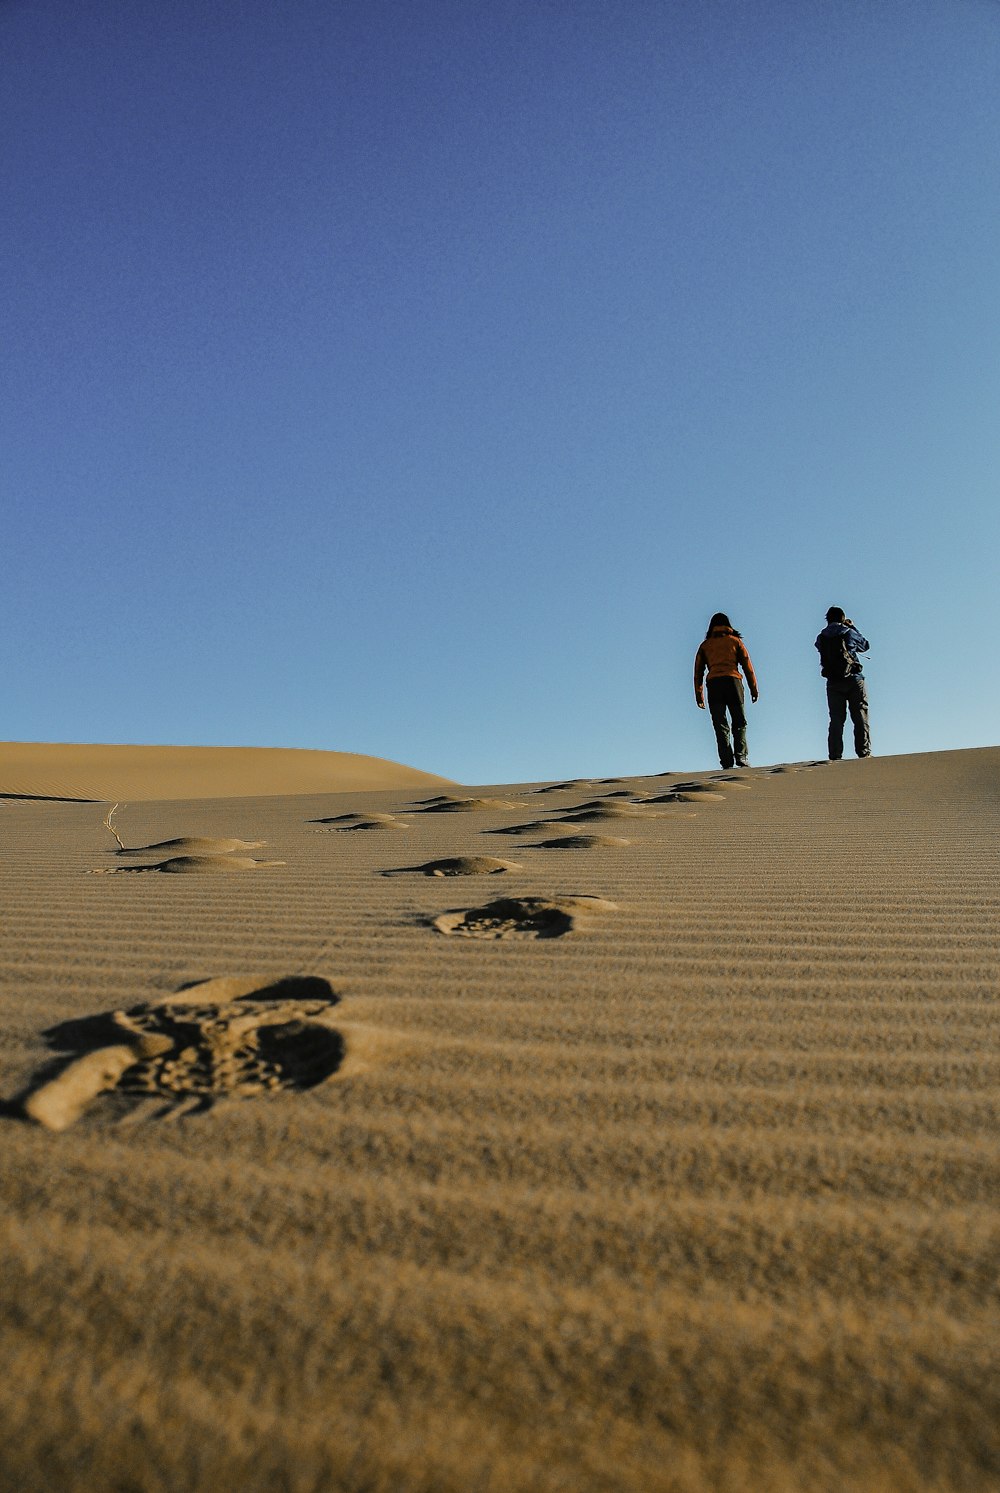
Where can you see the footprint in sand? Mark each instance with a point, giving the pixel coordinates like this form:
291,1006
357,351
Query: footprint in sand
531,828
467,805
687,795
191,865
521,917
625,805
596,813
191,845
566,787
192,855
347,823
698,787
224,1038
581,842
458,865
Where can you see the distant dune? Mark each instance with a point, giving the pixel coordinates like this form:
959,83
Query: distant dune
103,774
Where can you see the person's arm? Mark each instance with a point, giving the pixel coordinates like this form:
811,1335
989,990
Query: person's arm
855,641
700,665
747,667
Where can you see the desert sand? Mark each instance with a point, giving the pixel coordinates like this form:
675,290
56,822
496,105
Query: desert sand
398,1137
59,770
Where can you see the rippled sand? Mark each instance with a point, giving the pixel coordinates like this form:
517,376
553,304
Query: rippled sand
668,1160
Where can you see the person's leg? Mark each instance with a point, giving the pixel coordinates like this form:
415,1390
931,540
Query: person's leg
718,701
738,716
857,700
836,698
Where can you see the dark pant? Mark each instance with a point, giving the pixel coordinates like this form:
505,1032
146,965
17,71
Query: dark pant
845,695
726,696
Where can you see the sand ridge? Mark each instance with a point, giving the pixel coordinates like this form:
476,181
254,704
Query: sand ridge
92,773
698,1191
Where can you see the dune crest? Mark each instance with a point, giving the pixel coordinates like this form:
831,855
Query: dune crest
101,774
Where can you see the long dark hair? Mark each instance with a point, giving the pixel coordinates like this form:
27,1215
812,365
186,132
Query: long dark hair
721,620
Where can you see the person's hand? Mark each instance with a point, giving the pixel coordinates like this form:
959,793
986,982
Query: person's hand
700,704
754,698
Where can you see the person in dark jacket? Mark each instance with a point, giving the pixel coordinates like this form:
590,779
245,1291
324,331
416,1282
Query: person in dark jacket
722,655
839,645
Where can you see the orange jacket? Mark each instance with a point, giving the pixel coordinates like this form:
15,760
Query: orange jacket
722,655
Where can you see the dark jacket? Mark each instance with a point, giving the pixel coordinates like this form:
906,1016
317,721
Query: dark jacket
852,638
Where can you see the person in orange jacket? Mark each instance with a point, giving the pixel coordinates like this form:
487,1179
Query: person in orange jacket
722,655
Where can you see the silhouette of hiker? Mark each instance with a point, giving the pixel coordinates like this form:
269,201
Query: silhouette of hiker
839,645
722,655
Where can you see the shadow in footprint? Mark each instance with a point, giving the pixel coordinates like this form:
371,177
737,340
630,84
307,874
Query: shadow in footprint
686,797
224,1038
192,845
532,827
624,805
565,787
581,842
468,805
457,865
520,917
606,811
191,865
361,821
697,787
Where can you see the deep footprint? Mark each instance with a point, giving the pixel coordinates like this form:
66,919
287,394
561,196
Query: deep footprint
581,842
607,811
190,865
458,865
225,1038
468,805
531,828
192,845
341,822
686,796
565,787
699,787
520,917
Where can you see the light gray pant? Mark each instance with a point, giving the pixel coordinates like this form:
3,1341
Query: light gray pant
845,695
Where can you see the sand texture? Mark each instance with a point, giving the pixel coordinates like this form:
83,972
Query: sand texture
643,1150
135,773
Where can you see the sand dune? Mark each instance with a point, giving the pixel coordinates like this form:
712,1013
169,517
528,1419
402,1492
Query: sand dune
106,774
674,1165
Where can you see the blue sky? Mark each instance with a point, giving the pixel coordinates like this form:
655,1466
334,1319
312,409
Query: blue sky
415,378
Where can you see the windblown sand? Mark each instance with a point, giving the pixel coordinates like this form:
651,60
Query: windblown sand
667,1160
59,770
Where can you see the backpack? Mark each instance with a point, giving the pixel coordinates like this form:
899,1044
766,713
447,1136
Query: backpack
836,659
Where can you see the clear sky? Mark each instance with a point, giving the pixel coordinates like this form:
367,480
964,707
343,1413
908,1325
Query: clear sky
416,377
